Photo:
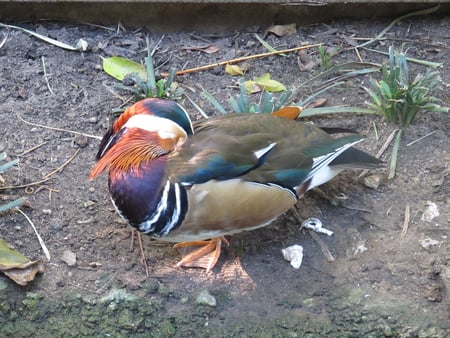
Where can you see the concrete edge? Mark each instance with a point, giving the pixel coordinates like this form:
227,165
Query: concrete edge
204,15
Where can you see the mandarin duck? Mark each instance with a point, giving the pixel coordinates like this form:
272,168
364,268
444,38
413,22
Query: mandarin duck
194,183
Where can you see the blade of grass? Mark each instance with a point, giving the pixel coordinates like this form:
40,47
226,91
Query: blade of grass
310,98
213,101
393,164
8,165
196,106
349,67
334,110
266,45
418,61
151,80
11,205
388,28
4,41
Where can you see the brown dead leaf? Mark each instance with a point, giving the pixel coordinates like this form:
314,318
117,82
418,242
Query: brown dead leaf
283,30
23,275
16,266
320,102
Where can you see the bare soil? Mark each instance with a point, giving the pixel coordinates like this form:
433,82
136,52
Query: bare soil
380,284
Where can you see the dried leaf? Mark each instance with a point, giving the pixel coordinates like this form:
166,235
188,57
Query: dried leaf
16,266
208,49
81,45
283,30
10,258
233,70
119,67
320,102
25,275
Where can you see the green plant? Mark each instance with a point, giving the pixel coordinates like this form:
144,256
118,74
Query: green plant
325,58
144,83
3,167
400,100
242,103
150,87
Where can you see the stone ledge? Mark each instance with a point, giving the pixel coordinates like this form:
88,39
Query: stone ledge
205,15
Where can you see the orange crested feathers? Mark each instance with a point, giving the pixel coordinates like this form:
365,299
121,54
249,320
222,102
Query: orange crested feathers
134,147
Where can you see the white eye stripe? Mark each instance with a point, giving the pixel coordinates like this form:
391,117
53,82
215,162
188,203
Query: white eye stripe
155,124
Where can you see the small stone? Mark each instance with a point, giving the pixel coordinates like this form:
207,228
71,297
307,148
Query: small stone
428,243
205,298
69,257
81,140
47,211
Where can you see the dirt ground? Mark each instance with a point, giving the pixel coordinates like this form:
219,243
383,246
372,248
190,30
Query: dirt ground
380,284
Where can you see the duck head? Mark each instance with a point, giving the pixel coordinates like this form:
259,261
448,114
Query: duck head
147,130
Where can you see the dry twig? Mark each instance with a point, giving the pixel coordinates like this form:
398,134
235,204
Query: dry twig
244,58
382,150
322,245
61,167
405,222
25,185
58,129
33,148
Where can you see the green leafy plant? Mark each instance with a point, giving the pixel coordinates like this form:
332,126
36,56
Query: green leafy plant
400,100
144,82
243,103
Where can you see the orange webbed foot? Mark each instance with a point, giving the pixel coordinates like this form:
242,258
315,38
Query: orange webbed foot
205,257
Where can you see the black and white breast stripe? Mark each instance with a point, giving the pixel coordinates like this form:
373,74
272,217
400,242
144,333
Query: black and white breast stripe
169,212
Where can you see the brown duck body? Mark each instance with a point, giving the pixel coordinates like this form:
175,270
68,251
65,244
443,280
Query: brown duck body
222,176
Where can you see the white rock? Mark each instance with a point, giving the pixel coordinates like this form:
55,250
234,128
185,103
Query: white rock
294,255
431,211
428,243
69,257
